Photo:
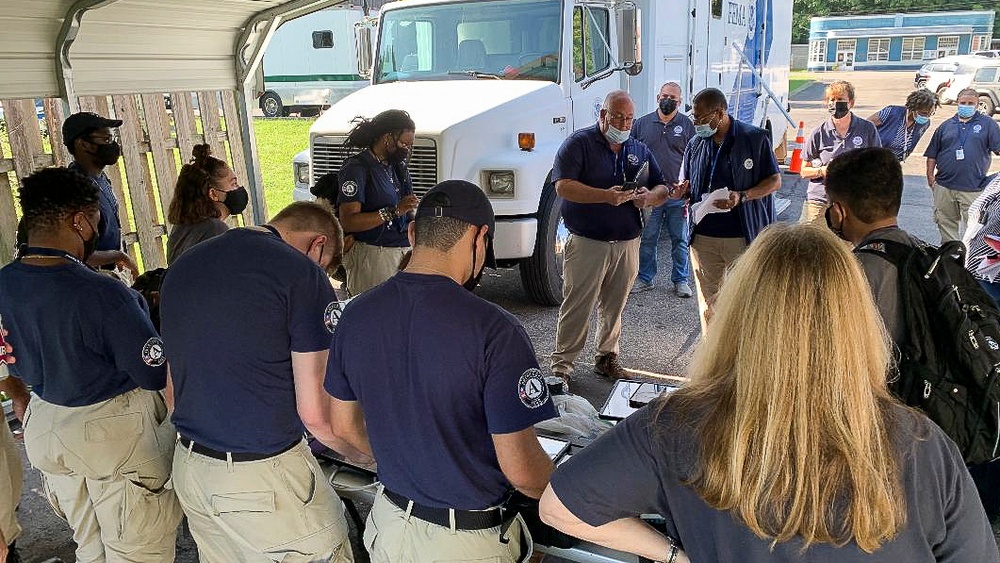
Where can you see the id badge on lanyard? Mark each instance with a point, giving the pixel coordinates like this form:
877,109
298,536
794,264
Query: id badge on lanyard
960,151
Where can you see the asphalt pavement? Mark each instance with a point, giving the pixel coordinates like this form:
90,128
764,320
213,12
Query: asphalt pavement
660,330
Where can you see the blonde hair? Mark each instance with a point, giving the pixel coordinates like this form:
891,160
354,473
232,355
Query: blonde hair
788,396
840,88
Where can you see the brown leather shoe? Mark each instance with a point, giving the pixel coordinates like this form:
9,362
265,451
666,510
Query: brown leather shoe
608,366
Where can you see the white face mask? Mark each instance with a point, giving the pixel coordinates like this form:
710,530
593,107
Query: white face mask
616,136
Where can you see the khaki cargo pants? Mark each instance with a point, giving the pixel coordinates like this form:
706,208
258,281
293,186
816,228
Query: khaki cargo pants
368,265
106,471
393,536
710,258
11,481
276,509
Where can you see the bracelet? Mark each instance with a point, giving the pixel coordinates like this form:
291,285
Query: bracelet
387,214
743,197
673,550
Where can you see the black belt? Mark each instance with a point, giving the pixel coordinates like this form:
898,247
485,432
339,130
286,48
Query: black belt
464,519
236,456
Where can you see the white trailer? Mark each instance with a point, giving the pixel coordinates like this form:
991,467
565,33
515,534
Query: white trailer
475,74
311,63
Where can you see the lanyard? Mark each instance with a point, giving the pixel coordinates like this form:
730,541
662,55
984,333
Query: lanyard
711,172
963,133
40,252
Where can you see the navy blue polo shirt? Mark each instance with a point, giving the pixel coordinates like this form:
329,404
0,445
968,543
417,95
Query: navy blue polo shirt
894,135
586,157
374,185
720,175
667,142
433,398
232,310
977,138
825,144
109,228
80,337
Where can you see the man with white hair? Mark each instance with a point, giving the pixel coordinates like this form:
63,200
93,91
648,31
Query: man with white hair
605,177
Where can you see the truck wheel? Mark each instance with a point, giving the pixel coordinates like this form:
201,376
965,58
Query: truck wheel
541,275
986,105
270,104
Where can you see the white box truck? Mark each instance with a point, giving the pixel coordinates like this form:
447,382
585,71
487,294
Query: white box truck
311,63
476,74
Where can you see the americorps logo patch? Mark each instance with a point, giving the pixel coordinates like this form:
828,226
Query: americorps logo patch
331,317
152,352
349,188
748,163
531,388
858,141
678,130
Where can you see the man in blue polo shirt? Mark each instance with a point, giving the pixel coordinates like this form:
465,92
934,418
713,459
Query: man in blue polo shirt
666,132
89,138
725,153
958,161
96,425
246,319
601,257
451,414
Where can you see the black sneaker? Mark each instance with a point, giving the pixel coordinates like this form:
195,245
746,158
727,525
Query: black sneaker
608,366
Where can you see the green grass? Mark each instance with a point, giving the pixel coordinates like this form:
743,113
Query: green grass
798,79
278,141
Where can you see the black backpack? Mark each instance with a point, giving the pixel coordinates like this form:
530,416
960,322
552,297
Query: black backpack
949,361
148,285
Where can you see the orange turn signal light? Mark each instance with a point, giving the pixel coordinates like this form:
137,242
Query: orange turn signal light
526,141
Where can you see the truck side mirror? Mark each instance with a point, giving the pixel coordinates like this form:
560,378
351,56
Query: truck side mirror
629,37
363,42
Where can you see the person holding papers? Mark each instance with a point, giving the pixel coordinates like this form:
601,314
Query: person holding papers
982,239
729,155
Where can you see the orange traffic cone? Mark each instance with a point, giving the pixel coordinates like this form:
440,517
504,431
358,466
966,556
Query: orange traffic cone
800,141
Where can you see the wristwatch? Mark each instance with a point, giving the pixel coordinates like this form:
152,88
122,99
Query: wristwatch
743,197
387,214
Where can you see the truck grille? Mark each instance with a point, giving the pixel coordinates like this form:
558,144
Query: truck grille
329,153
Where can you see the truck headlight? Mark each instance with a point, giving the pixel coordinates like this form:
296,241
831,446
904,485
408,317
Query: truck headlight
301,172
500,183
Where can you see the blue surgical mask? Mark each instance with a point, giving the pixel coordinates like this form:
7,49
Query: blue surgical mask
921,119
966,111
616,136
704,130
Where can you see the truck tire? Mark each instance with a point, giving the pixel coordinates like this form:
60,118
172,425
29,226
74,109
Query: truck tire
541,275
986,105
270,104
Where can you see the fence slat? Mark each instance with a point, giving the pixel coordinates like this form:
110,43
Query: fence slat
24,133
8,217
158,126
53,121
236,147
139,182
208,106
184,123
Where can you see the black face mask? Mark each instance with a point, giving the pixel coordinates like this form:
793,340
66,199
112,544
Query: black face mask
108,154
839,109
398,155
668,105
236,201
473,282
89,246
839,231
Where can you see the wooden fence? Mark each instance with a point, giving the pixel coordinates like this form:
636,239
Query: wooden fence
155,142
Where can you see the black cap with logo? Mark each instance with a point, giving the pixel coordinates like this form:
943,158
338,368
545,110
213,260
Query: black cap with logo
82,123
464,201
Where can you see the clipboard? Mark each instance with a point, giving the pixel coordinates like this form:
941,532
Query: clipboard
554,447
616,407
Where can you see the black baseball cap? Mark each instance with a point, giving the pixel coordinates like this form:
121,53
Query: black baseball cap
464,201
79,124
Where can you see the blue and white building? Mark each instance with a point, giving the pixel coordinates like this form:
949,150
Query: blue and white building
896,41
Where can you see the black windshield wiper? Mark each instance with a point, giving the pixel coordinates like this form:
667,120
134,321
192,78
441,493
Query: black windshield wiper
475,74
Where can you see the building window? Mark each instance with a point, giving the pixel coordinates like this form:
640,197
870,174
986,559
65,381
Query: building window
323,39
913,49
817,51
878,49
947,46
980,42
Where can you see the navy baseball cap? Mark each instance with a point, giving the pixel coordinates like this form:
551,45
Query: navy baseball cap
464,201
79,124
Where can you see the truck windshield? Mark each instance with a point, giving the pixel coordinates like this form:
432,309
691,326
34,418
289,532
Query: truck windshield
491,39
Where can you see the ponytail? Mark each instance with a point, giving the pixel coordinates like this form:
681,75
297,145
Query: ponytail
367,131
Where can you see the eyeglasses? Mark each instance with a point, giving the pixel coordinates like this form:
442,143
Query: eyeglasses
621,118
702,119
107,140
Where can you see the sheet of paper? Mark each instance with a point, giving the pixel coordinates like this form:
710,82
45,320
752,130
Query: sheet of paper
707,204
989,267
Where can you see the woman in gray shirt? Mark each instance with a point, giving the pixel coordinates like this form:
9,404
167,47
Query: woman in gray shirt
786,444
207,193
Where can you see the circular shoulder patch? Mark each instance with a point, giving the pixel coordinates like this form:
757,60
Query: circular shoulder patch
331,317
349,188
152,352
748,163
531,388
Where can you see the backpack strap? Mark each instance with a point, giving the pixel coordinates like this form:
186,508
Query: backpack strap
894,251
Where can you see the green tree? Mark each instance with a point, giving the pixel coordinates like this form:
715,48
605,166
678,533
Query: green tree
804,10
